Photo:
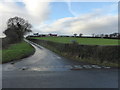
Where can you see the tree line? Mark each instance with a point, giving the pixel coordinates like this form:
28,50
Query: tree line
113,35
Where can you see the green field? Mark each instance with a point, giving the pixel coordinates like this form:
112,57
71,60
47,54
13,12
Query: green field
84,41
16,51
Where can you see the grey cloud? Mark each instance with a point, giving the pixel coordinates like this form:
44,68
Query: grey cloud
86,24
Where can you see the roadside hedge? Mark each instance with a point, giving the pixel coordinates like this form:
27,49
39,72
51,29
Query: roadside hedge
96,53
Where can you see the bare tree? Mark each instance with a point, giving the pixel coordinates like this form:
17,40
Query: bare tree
101,35
75,35
80,35
17,27
106,35
93,35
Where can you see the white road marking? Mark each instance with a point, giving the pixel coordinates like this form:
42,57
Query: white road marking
63,68
87,66
58,57
96,66
78,66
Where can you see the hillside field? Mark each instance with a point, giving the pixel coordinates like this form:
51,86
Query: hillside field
84,41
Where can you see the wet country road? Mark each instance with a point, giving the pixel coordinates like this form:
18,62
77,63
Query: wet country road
46,69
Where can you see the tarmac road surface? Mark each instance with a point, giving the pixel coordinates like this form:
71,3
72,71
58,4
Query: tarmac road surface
46,69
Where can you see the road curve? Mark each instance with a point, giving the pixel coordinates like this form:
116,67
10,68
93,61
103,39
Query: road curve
46,69
43,59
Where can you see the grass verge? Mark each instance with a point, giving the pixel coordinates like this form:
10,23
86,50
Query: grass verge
17,51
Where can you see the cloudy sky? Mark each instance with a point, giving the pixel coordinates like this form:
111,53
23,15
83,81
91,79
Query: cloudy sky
63,18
